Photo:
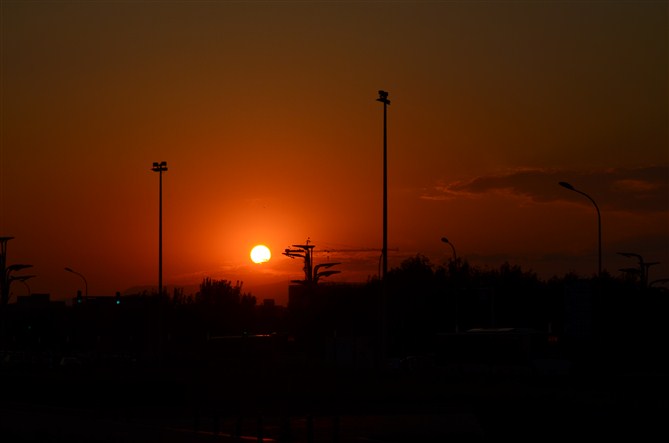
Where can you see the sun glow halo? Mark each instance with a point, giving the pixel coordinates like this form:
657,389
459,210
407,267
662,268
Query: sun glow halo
260,254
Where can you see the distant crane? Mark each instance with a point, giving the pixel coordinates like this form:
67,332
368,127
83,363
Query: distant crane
328,250
362,250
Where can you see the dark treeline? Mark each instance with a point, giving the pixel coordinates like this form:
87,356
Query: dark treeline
586,317
425,307
422,310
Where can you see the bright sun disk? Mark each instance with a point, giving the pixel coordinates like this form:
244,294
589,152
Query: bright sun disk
260,254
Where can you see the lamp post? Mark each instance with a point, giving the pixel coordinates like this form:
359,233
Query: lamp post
82,277
8,279
457,290
22,279
599,225
455,256
160,168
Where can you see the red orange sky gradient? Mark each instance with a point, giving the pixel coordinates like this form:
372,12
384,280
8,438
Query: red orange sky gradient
266,115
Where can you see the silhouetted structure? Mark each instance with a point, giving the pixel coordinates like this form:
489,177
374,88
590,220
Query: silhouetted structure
312,274
6,271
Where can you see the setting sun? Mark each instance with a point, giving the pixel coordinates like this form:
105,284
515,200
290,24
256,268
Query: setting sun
260,254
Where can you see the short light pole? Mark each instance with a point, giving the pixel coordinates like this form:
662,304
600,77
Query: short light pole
22,279
599,225
160,168
455,256
82,277
8,279
457,290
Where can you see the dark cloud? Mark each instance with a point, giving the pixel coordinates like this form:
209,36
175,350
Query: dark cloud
642,189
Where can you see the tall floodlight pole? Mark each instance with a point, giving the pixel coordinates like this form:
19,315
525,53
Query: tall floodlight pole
383,98
160,168
599,224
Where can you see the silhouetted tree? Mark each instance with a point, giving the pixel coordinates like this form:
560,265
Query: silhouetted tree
224,307
412,297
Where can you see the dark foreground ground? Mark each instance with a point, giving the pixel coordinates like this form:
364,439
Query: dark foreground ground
221,403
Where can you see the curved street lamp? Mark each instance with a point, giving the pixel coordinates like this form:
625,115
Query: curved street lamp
599,224
457,291
82,277
7,279
455,256
22,279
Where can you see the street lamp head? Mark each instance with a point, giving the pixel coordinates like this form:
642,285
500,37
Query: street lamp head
566,185
455,256
383,97
74,272
159,167
82,277
17,267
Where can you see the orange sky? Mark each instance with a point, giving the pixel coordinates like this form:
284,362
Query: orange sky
266,115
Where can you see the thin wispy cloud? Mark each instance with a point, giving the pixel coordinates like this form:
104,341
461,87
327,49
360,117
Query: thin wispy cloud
641,189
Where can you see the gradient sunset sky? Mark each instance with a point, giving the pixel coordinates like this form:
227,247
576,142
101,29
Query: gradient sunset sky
266,114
